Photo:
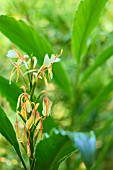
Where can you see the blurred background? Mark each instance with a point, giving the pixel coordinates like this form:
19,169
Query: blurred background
54,19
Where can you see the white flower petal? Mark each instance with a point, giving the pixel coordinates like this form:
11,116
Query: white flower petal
44,108
47,61
35,62
19,61
26,65
51,76
26,56
52,58
57,60
12,54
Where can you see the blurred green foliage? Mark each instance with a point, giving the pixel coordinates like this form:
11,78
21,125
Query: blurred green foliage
94,101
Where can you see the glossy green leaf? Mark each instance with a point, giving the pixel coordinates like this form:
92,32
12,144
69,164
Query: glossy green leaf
9,91
51,151
6,129
86,143
49,124
59,145
86,18
30,41
105,55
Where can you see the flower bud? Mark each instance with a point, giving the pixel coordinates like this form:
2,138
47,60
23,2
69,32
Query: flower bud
24,137
30,121
45,80
28,106
38,118
36,134
23,114
41,128
36,106
50,74
28,149
17,128
32,63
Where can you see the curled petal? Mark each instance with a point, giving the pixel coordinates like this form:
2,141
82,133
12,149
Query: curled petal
26,56
35,62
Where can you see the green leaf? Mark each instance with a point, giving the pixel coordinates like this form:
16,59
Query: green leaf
6,129
49,124
52,150
86,143
95,102
30,41
86,18
9,91
59,145
105,55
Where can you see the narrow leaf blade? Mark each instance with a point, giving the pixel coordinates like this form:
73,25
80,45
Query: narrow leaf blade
6,129
85,20
105,55
95,102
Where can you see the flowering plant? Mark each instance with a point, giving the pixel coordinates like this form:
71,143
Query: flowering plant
44,150
27,107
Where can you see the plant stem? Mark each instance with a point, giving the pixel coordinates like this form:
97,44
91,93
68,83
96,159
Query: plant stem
76,97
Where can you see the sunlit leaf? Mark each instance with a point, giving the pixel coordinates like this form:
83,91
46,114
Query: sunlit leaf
86,18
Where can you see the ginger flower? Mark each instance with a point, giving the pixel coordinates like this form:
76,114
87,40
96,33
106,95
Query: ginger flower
49,61
12,54
18,64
